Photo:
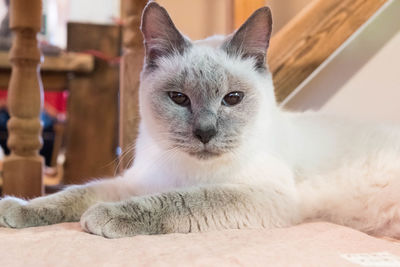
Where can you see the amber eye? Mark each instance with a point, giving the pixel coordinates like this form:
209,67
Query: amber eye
232,98
179,98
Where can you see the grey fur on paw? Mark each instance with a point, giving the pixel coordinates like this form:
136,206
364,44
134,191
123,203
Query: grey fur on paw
111,220
11,212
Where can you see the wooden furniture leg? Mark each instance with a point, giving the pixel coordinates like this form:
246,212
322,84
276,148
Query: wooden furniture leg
131,65
23,168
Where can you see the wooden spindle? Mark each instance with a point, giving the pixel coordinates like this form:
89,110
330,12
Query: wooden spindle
23,168
130,68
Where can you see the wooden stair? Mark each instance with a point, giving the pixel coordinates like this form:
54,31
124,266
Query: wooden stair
300,47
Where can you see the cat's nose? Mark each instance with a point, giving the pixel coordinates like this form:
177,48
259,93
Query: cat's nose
205,135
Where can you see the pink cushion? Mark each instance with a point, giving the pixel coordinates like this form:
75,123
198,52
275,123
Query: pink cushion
312,244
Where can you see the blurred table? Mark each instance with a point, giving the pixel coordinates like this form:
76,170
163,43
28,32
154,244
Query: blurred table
54,69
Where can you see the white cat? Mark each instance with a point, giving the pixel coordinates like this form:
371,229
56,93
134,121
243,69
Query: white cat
214,151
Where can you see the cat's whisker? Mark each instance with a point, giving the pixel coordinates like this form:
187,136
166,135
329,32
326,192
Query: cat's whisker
119,160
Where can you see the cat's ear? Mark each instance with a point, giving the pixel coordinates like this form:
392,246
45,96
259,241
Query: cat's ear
252,38
161,38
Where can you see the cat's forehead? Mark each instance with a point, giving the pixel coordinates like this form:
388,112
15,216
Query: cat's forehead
205,68
204,60
201,69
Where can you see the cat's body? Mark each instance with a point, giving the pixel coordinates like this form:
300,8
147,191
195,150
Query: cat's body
214,151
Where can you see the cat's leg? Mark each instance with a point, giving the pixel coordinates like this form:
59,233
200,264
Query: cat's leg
65,206
193,210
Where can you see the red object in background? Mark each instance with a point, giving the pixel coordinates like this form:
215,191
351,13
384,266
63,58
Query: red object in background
3,94
56,101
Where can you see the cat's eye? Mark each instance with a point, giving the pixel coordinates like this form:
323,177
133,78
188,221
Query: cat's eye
179,98
232,98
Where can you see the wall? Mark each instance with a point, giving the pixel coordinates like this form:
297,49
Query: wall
2,10
199,18
94,11
363,79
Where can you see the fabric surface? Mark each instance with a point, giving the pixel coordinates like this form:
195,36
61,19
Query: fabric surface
312,244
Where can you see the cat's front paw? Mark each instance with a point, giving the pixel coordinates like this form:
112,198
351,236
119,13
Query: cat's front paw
12,212
114,220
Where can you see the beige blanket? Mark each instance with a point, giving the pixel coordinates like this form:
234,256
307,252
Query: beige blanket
313,244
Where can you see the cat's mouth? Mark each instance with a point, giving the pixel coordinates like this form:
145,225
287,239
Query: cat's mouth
205,154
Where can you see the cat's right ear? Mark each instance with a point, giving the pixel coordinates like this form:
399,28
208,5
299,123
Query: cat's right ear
252,38
161,38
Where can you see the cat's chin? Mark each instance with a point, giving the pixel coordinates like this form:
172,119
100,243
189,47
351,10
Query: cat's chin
205,154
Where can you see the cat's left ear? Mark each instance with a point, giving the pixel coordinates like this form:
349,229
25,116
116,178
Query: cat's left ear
252,38
161,38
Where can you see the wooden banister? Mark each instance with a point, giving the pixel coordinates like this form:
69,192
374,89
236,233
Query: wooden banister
23,168
131,65
312,36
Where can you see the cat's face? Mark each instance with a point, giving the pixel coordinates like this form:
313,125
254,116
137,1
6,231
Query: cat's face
199,98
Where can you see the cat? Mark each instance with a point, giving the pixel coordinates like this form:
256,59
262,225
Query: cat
214,151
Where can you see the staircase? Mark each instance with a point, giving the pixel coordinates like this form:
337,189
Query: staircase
313,36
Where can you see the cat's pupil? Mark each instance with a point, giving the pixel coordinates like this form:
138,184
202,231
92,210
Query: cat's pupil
233,98
179,98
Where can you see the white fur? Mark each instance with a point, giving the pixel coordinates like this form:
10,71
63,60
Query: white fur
344,172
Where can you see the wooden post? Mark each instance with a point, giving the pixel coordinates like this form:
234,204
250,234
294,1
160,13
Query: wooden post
92,116
130,68
22,170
